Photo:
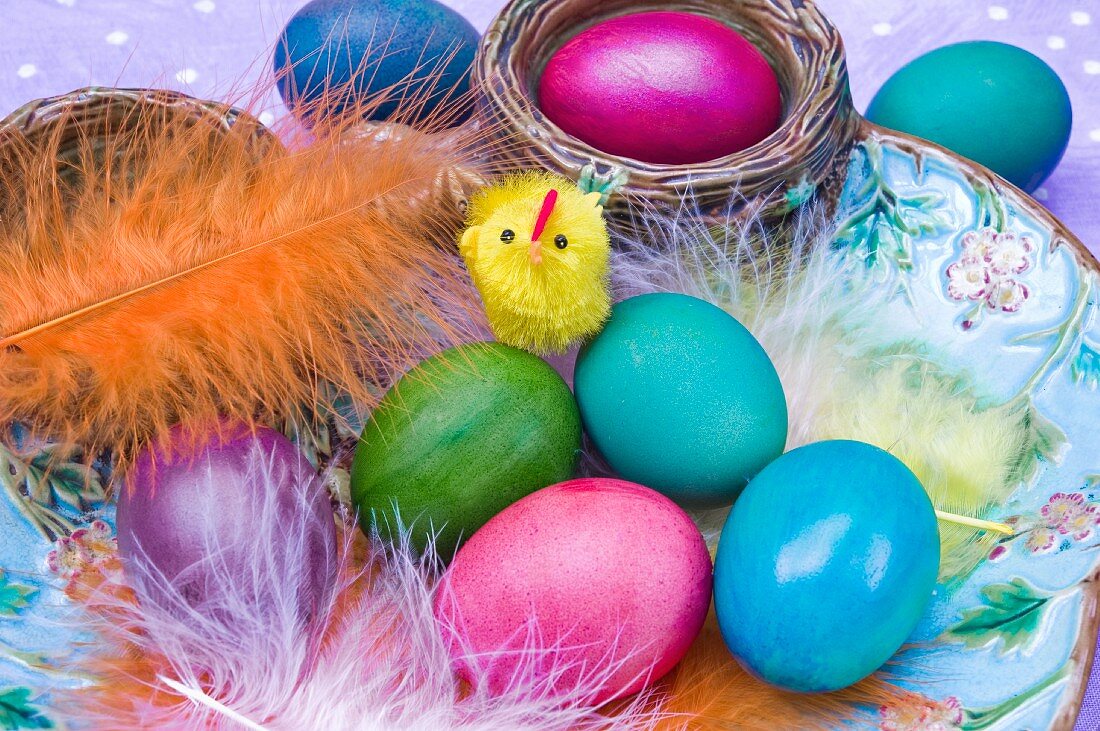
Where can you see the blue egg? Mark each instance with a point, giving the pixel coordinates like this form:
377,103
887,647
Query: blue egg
417,49
825,565
677,395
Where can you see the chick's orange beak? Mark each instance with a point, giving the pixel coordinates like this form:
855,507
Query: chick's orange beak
535,252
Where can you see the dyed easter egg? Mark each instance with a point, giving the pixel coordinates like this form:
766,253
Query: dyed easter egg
191,509
336,53
662,87
459,438
991,102
615,576
825,565
676,394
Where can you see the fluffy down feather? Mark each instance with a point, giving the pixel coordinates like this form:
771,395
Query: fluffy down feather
379,662
814,310
160,269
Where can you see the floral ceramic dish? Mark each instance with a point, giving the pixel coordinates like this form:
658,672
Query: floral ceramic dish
979,272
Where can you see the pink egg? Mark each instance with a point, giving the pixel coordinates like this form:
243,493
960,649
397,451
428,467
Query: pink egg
607,582
662,87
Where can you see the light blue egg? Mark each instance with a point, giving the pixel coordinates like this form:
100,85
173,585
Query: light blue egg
825,565
677,395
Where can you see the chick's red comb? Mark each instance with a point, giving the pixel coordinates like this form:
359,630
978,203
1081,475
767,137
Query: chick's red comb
544,213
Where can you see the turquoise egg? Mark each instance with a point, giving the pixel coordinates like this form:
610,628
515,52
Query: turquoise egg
991,102
677,395
825,565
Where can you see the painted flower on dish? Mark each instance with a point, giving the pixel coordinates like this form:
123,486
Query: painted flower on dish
1067,517
1040,540
968,279
918,713
986,271
94,547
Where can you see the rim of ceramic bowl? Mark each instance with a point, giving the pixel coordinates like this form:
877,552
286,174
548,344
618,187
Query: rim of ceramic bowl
807,153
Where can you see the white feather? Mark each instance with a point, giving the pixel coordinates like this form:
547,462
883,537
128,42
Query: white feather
376,661
807,304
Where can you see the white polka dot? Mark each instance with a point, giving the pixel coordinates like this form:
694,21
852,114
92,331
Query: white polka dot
67,3
1041,194
187,76
205,6
1094,135
1080,17
266,118
882,29
997,12
117,37
27,70
1092,67
1056,43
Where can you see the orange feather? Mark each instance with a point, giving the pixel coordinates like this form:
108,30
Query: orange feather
161,268
710,690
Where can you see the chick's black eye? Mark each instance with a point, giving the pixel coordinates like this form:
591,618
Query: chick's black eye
507,235
560,241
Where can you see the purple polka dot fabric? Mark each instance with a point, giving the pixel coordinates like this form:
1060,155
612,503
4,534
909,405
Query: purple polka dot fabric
219,48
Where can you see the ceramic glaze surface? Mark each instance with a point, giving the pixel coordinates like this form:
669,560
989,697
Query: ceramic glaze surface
661,87
459,438
610,572
991,102
1012,637
825,565
679,396
177,500
420,47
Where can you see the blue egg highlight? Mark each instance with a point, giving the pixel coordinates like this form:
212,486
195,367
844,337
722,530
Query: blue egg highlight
419,48
825,566
677,395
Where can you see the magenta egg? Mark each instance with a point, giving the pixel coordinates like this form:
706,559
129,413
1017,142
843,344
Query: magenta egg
595,578
662,87
226,516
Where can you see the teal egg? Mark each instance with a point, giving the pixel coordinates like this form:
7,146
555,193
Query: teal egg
825,565
677,395
991,102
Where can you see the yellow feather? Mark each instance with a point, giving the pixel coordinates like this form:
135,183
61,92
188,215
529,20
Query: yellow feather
966,454
547,306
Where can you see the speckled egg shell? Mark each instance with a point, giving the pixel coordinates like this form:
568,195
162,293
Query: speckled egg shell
825,565
422,50
610,571
679,396
662,87
991,102
459,438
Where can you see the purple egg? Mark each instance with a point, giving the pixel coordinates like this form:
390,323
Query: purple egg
662,87
212,524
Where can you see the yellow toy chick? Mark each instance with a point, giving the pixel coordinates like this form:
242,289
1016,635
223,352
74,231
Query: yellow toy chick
538,251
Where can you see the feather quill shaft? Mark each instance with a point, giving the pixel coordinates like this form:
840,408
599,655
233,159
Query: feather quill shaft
162,269
202,699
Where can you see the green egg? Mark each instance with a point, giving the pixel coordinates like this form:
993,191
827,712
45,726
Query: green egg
991,102
678,396
459,438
